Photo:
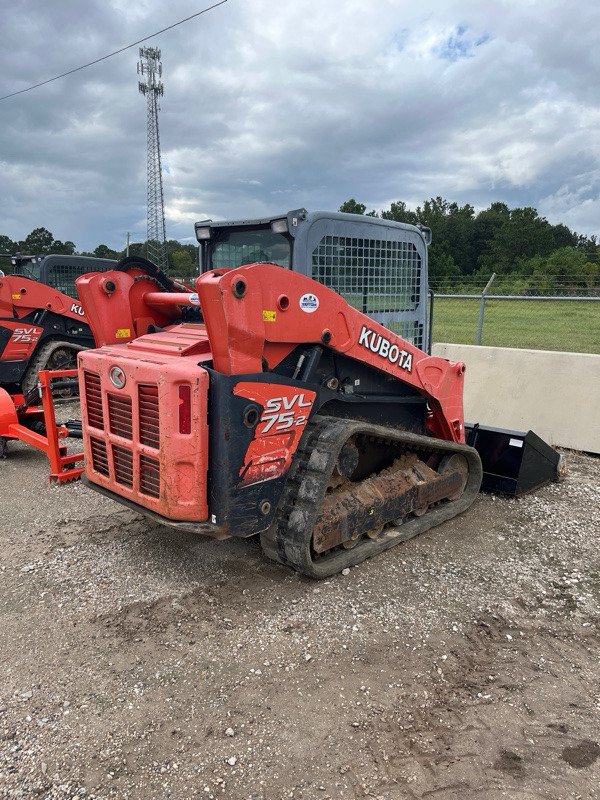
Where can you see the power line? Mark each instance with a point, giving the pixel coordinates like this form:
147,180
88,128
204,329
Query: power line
116,52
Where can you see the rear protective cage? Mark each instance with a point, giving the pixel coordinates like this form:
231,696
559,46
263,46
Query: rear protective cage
379,277
61,275
411,330
62,278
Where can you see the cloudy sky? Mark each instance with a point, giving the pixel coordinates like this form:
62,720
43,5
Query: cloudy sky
270,106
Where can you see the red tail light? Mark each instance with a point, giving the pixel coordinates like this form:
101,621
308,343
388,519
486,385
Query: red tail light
185,408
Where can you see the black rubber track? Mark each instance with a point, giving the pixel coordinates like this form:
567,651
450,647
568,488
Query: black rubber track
43,360
288,541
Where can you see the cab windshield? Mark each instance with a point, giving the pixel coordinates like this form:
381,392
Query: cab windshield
235,248
29,269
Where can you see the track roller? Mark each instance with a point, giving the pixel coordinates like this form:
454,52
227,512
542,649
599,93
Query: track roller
357,489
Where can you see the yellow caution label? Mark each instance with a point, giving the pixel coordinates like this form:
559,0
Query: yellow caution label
16,296
123,333
269,316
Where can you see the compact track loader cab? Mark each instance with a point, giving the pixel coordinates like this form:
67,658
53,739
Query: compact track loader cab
378,266
267,403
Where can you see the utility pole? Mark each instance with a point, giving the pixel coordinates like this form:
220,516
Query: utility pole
150,67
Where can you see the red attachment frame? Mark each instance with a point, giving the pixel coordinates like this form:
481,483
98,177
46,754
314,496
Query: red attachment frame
62,464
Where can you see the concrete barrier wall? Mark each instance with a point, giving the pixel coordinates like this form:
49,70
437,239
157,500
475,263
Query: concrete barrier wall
557,395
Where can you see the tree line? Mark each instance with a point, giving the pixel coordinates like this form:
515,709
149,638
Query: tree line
182,258
526,251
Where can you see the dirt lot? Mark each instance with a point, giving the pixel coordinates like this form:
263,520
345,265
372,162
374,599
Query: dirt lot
140,663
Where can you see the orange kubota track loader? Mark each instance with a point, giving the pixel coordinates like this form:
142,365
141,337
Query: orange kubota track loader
264,404
42,328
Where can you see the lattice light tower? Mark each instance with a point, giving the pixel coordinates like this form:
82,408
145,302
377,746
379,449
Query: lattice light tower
150,66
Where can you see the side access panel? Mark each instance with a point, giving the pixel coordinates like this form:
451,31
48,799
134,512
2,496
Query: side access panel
255,427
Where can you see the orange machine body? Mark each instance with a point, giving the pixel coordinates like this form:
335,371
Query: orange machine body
198,422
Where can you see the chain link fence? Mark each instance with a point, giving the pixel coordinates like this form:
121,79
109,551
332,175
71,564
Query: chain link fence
558,314
561,313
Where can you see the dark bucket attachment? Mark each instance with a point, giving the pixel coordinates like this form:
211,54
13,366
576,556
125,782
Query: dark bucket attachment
513,462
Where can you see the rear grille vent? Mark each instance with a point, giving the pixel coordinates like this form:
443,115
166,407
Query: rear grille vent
149,419
119,415
99,457
93,400
123,462
149,476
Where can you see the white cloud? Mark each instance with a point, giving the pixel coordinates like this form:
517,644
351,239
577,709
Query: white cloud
271,105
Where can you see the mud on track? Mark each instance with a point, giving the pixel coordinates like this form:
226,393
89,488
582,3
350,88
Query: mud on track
140,663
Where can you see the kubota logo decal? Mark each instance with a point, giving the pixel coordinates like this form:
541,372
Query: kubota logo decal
378,344
283,413
117,377
77,309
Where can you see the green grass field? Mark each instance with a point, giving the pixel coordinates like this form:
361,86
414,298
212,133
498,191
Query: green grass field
542,325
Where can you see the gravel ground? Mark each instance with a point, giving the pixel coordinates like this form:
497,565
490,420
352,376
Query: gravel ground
139,663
